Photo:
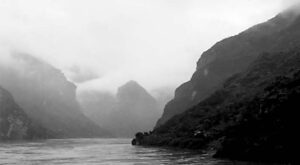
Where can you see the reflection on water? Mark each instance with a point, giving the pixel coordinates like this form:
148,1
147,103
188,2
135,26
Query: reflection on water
96,152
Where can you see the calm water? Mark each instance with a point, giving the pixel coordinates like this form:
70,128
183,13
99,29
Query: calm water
96,152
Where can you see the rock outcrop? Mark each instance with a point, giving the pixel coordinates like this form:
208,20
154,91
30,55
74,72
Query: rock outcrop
14,123
47,97
253,116
233,55
242,100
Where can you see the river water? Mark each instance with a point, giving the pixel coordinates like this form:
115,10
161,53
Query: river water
97,152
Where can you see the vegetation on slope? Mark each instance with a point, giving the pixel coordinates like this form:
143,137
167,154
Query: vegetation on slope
233,55
15,124
252,117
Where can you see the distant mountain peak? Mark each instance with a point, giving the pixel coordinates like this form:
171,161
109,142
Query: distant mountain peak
131,83
134,90
133,109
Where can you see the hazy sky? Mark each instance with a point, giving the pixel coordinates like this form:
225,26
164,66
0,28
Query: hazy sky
104,43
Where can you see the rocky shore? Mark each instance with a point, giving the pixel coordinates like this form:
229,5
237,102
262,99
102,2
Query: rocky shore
252,117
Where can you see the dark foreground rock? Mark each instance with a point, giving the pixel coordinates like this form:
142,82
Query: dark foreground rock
233,55
242,100
252,117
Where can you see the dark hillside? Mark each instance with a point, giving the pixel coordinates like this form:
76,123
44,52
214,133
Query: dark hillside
233,55
252,117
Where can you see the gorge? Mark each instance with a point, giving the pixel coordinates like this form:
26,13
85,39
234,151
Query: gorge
241,102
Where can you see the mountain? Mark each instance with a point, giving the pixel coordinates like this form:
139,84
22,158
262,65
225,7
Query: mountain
162,95
252,117
132,109
136,109
233,55
252,114
98,106
14,123
46,96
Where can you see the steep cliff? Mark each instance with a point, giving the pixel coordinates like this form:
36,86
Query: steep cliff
132,109
233,55
253,116
46,96
14,123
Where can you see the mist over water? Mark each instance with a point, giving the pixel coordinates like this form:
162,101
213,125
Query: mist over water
103,44
96,151
84,75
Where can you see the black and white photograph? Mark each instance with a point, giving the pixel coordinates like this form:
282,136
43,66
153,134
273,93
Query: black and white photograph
149,82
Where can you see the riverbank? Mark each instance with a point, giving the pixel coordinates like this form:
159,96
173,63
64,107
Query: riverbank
253,117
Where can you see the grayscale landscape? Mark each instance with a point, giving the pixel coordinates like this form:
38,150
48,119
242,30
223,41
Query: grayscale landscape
137,82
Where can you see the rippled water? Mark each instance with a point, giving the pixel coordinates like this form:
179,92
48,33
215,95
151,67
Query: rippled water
96,152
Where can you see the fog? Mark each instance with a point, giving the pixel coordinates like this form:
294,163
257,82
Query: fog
46,96
102,44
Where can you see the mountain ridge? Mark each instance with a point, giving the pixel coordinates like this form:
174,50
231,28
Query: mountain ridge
47,97
15,124
230,56
132,109
252,117
250,113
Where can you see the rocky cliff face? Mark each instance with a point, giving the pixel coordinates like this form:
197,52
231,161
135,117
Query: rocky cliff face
233,55
253,116
46,96
14,123
132,109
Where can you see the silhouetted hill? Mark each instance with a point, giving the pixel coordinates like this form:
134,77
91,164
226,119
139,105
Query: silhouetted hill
132,109
252,117
233,55
14,123
47,97
248,87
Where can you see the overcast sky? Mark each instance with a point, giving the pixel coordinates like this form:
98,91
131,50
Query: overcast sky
101,44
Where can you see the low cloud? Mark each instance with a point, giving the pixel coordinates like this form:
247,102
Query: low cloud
103,44
80,75
289,3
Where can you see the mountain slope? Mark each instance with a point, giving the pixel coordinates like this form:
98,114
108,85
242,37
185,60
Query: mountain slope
252,117
232,55
132,109
247,110
14,123
136,109
46,96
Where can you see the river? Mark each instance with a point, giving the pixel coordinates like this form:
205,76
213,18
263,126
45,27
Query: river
97,152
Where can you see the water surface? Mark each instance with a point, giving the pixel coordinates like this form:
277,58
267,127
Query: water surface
97,152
